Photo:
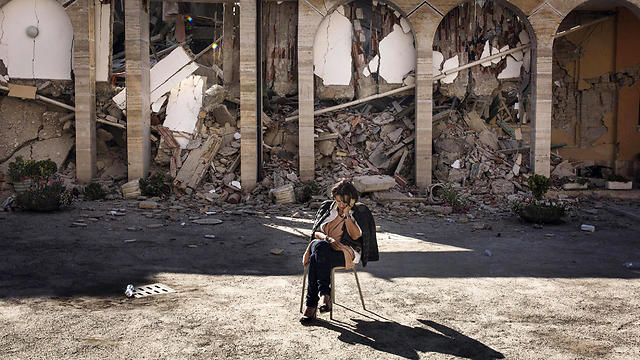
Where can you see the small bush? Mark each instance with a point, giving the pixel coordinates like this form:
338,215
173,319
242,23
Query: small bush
308,190
154,186
45,196
453,198
539,211
617,178
31,169
94,191
539,185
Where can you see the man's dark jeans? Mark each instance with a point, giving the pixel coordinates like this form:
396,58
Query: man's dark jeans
323,258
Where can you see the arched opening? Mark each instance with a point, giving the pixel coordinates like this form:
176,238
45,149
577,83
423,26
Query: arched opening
363,48
483,59
36,40
596,93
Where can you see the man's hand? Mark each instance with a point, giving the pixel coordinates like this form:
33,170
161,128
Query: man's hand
348,208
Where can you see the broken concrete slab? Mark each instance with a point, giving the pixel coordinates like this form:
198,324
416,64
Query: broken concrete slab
164,75
223,116
283,195
326,147
21,121
373,183
184,106
489,138
131,189
475,122
213,96
56,149
564,169
51,125
502,187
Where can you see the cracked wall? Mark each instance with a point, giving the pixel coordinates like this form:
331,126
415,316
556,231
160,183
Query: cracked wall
473,31
44,53
362,48
596,89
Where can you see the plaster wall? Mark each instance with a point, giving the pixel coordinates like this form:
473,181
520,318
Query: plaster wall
48,55
597,87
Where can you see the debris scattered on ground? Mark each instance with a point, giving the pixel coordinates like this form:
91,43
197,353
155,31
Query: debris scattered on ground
589,228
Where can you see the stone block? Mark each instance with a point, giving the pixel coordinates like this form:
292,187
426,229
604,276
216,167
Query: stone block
372,183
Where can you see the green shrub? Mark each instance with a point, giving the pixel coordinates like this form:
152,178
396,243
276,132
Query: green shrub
539,185
31,169
154,186
94,191
45,196
539,211
617,178
453,198
307,191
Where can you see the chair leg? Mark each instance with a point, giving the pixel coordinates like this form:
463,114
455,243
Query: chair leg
304,281
333,293
359,289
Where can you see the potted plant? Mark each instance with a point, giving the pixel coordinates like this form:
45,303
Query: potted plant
36,185
617,182
539,209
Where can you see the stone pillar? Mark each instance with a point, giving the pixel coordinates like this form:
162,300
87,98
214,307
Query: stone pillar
82,18
308,21
227,43
425,22
136,22
545,22
248,96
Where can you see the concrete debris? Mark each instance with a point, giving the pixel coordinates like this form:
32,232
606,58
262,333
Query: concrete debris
283,195
131,190
372,183
164,75
207,221
183,108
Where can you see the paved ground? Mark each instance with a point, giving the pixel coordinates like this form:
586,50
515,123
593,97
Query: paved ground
550,293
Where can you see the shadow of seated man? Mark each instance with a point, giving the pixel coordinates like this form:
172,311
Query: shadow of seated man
406,341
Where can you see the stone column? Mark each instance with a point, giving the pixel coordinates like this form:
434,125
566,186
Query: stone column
136,20
545,22
308,21
425,23
248,96
82,18
227,43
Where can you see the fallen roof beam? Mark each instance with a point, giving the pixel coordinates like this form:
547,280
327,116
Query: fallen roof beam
580,27
355,102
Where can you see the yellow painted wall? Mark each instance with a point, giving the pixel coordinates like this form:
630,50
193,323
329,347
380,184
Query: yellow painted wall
607,48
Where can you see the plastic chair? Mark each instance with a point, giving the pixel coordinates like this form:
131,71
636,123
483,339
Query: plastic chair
333,288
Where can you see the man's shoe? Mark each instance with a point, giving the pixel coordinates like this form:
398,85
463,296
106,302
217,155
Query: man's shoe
326,307
309,315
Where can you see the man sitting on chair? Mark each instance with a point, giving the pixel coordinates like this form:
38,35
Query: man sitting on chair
344,234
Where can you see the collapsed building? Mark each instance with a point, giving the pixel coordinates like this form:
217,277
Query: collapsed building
259,94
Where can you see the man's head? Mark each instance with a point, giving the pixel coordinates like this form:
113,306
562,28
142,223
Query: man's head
344,193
